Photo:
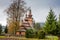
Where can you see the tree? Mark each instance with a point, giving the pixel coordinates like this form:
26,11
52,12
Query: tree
41,34
37,26
30,33
6,30
16,10
0,29
59,26
51,24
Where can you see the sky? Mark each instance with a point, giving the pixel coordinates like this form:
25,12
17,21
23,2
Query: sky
40,9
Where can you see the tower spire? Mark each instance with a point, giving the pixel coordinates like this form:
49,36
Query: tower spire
30,15
29,11
26,15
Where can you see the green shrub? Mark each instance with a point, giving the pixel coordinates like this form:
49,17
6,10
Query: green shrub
41,34
30,33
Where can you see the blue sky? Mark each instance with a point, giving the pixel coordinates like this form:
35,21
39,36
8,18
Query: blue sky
40,9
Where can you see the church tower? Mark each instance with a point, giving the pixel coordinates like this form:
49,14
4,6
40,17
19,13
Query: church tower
30,15
27,23
30,19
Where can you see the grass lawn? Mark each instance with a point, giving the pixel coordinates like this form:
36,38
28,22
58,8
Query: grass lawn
47,38
2,36
23,38
52,37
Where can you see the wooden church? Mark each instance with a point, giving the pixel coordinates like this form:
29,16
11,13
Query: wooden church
27,23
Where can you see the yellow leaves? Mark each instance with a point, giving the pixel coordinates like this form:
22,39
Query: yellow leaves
13,27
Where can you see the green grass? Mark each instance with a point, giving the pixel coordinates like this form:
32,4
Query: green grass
47,38
52,37
23,38
2,36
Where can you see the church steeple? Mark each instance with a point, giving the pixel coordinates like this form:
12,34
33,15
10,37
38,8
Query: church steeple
30,15
26,15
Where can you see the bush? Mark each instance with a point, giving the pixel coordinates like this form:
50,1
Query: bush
41,34
30,33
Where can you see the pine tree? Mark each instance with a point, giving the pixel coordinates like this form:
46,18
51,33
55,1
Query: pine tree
6,30
30,33
51,23
0,29
37,26
59,20
59,25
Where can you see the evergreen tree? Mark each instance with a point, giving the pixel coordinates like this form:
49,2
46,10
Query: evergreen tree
0,29
6,30
59,25
59,20
37,26
30,33
51,23
41,34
